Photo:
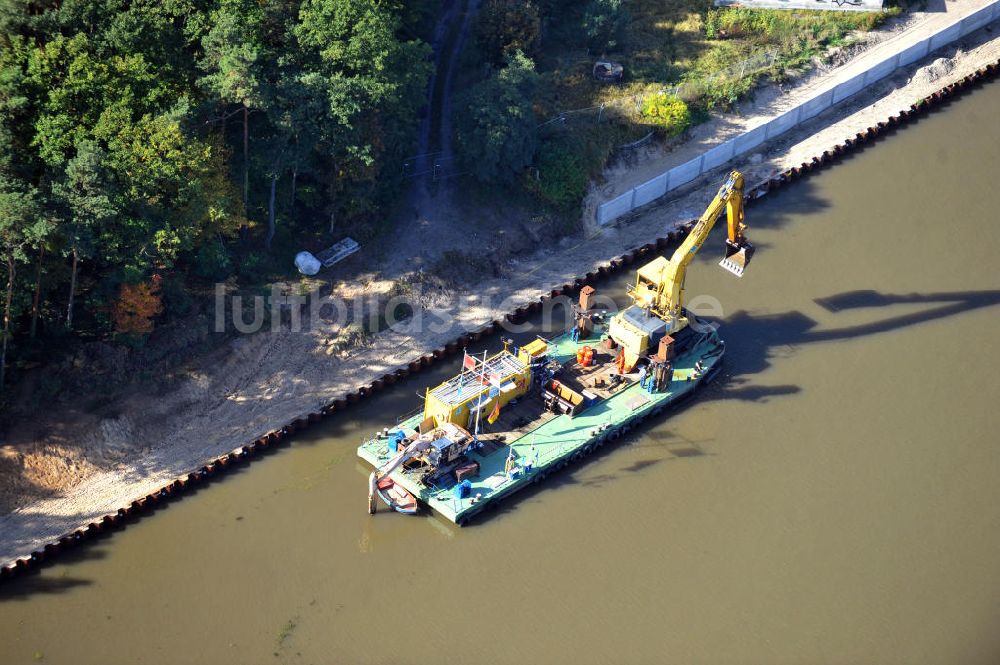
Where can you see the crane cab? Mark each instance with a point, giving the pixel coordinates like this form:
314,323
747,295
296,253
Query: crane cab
637,331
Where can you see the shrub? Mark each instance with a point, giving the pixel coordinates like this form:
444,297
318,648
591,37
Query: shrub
506,26
177,300
457,267
773,25
562,173
212,261
604,23
725,93
669,114
251,265
496,132
137,306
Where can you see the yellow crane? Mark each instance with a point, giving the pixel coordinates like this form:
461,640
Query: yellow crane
658,295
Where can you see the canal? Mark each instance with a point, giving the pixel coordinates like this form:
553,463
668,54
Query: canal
833,497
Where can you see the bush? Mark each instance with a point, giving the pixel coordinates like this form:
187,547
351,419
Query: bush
506,26
458,268
775,25
136,307
177,300
604,23
669,114
737,22
562,173
725,93
212,261
496,132
251,265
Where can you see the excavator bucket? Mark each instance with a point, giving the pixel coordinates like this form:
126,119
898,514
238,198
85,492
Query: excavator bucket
737,257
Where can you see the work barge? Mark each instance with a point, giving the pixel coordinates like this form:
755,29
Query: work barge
507,421
543,429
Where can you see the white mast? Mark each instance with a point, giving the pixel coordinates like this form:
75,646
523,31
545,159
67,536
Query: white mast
479,402
461,374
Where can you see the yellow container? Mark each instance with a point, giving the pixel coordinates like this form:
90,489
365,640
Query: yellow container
502,378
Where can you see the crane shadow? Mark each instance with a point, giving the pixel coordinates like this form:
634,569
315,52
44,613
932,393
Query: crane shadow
761,338
759,341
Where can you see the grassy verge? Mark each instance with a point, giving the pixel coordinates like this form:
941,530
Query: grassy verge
708,58
668,42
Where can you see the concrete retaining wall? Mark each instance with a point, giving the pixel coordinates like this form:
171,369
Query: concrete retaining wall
815,106
650,190
849,88
751,139
911,54
616,207
821,101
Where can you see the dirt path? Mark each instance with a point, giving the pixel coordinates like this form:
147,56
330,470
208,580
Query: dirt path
430,221
262,381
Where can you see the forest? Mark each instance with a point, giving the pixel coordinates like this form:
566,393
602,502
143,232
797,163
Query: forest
150,148
145,143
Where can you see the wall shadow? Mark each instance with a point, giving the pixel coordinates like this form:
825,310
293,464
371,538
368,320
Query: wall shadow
42,581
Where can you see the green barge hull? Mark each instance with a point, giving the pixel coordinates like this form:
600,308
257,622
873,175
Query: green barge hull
552,441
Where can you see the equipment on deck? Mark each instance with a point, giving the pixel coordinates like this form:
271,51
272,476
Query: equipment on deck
436,449
483,384
567,395
658,296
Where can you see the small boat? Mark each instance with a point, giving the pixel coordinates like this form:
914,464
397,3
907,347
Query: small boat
396,497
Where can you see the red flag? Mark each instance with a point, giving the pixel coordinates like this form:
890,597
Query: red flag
496,414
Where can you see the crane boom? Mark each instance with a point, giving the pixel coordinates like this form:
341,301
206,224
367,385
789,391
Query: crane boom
669,297
658,295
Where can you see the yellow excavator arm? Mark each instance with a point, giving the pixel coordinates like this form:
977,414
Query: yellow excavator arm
738,249
659,286
669,296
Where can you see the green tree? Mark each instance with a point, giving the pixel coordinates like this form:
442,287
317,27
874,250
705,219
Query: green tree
604,23
22,226
496,131
297,110
113,134
235,60
374,84
505,26
561,178
85,205
72,86
167,190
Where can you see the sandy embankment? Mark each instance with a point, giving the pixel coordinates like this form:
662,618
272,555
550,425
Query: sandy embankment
266,380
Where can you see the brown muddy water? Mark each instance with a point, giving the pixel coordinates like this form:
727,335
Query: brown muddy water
833,498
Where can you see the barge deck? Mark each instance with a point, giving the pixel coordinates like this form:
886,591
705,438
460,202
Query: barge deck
535,442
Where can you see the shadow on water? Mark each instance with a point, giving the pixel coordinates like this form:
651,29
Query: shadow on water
641,465
784,207
667,446
46,582
37,583
740,388
954,302
761,337
791,328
